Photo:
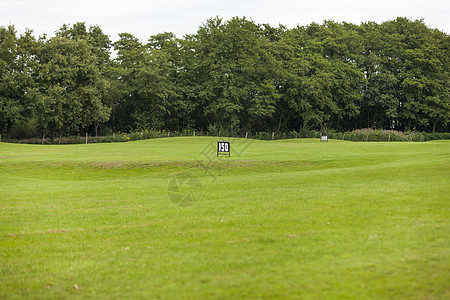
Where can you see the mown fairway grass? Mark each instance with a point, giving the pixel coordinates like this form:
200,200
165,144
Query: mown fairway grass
281,219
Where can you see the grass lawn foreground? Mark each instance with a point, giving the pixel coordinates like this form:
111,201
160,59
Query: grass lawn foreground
168,219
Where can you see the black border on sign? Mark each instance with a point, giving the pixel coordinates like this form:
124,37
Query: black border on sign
224,152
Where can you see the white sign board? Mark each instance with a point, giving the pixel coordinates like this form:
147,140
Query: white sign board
223,148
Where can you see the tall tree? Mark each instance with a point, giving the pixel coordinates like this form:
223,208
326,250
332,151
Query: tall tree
68,92
145,73
419,61
233,74
379,102
16,66
179,105
99,42
237,72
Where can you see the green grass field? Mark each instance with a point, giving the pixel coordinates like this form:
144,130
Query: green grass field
287,219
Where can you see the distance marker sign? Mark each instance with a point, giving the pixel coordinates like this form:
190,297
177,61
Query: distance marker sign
223,148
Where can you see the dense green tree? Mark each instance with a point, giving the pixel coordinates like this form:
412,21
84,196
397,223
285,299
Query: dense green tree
236,72
146,73
233,75
16,66
155,90
415,54
100,46
129,52
379,104
99,42
68,92
179,100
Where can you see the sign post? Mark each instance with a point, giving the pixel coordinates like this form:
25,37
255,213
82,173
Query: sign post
324,138
223,148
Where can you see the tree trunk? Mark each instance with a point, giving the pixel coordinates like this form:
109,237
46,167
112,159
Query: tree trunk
279,123
374,124
285,122
434,126
9,130
368,118
52,134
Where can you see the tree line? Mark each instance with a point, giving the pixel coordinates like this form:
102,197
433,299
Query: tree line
233,75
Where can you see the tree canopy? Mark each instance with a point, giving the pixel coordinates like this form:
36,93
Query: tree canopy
232,75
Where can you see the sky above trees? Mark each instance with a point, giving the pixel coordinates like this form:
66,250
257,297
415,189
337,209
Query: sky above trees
145,18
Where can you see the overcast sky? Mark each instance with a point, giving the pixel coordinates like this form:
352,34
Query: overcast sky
144,18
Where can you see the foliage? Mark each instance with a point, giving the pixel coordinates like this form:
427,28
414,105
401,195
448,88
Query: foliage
378,135
16,65
233,76
430,136
68,97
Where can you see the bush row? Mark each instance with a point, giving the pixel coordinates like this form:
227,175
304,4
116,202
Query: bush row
377,135
359,135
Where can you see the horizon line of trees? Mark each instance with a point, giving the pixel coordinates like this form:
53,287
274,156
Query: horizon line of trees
234,75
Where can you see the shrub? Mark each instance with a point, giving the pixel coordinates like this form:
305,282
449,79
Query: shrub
436,136
358,135
379,135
